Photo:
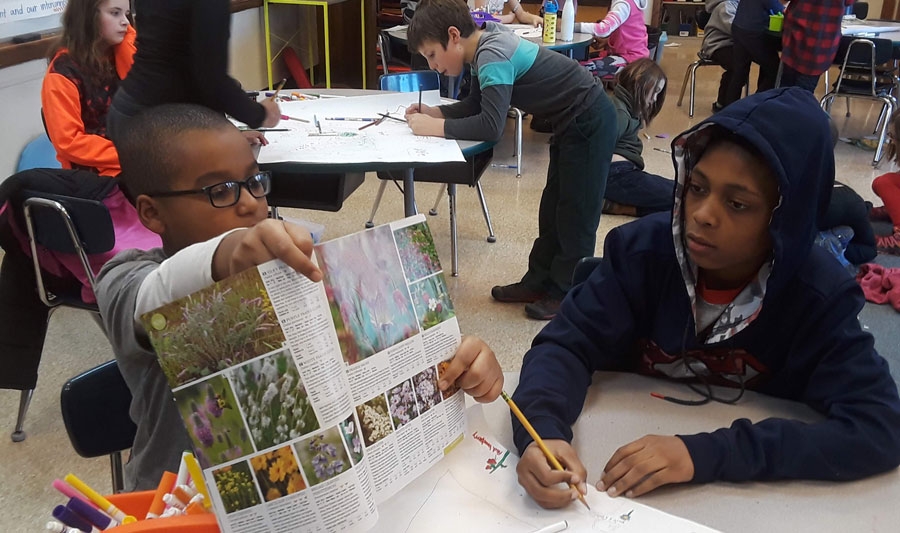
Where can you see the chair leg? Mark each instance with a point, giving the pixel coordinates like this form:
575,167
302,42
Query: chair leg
694,66
848,106
518,145
881,117
454,251
433,211
687,73
880,150
487,216
371,222
24,401
118,472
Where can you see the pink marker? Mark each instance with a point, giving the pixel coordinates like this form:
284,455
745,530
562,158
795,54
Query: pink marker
70,491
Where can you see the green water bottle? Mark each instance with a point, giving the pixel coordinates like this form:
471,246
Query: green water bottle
550,10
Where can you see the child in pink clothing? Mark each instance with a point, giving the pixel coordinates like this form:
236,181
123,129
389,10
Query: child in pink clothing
624,26
887,187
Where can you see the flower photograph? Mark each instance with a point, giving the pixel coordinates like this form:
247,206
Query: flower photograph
235,486
367,293
402,402
218,327
417,253
452,389
213,421
277,473
432,301
323,456
374,420
274,399
352,438
427,393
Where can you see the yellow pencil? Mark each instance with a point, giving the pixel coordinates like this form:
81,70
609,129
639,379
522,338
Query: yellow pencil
280,86
537,438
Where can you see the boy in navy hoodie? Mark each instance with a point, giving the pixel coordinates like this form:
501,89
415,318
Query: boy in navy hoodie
727,290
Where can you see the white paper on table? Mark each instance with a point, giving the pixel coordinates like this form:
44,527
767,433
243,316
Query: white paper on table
388,142
468,492
529,32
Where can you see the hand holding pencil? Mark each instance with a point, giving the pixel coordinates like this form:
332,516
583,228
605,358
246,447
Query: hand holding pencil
540,469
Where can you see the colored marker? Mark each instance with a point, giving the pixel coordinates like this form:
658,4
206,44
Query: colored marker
70,492
318,126
195,508
197,477
562,525
69,518
58,527
91,514
165,485
104,504
498,165
286,117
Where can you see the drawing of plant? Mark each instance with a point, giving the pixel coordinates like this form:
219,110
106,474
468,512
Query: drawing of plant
402,401
417,252
213,421
350,432
221,326
366,289
323,456
432,301
235,486
274,399
375,419
277,473
427,393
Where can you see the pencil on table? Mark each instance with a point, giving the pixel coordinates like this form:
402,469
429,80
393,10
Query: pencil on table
280,86
537,439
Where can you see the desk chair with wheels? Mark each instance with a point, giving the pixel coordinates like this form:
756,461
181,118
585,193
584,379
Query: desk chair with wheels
94,408
54,223
452,174
860,78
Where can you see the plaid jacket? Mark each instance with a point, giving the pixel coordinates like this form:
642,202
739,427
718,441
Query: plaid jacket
812,32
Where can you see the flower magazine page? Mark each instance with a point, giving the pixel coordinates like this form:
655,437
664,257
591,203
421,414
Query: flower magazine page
307,403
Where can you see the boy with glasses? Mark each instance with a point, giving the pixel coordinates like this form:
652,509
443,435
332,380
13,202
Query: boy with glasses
186,170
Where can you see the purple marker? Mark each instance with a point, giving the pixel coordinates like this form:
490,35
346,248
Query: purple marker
91,514
69,518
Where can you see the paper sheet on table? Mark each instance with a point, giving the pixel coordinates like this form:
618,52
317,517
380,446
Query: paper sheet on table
529,32
475,488
856,26
388,142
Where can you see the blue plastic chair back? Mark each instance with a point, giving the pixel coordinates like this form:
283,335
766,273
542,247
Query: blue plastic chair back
39,153
410,82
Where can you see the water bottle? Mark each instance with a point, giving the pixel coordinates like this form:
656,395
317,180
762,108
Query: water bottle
567,23
550,10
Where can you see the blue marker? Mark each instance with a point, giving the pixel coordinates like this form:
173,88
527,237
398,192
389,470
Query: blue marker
497,165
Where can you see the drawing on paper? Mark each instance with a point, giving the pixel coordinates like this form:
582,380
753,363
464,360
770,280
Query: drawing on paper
223,325
214,423
277,473
274,399
367,292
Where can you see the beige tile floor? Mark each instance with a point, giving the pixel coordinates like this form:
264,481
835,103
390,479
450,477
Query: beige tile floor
74,343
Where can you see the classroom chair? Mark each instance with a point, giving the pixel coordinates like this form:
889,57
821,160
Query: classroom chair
860,77
94,408
691,73
52,223
450,174
38,153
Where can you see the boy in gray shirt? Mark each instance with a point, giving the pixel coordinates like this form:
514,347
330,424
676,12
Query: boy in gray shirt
507,70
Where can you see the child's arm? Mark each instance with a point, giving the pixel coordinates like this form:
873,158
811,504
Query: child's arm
474,369
62,113
618,13
834,365
482,115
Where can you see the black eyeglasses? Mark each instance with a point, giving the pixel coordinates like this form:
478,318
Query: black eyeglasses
227,193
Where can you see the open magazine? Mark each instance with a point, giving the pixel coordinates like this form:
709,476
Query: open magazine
310,403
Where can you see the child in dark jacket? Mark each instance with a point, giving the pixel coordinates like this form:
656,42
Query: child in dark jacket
729,291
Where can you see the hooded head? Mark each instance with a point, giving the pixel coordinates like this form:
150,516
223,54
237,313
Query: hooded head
769,155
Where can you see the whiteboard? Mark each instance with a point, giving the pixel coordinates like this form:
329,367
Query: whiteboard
28,16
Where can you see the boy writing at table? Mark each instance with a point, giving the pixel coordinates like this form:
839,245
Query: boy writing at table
507,70
727,290
195,182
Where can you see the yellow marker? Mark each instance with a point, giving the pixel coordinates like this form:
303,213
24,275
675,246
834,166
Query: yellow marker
537,439
104,504
197,477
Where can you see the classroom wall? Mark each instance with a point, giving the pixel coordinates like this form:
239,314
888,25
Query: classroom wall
20,86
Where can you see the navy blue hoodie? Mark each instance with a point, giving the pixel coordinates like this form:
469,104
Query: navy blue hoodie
792,332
